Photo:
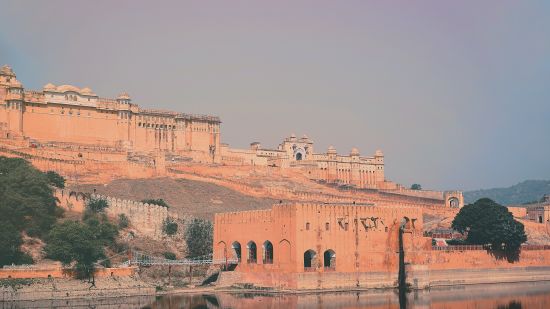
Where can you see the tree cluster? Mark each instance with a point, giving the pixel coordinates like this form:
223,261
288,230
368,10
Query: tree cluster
487,223
198,237
158,202
27,205
82,243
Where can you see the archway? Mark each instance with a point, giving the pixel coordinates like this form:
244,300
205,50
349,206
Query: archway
298,156
252,252
405,223
329,259
310,259
454,202
236,250
221,250
268,252
284,252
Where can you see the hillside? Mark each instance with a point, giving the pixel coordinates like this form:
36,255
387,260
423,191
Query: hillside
186,197
523,192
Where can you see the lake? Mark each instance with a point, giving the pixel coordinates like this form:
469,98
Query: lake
502,296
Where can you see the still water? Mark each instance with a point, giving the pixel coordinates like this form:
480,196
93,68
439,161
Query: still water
502,296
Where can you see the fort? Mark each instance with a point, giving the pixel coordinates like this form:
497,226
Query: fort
89,138
339,224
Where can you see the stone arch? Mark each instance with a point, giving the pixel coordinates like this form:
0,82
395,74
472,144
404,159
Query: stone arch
252,252
453,202
267,252
310,259
284,252
236,246
221,250
329,259
298,156
405,223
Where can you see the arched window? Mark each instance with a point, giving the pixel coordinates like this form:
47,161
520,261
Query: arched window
252,252
268,252
329,259
327,226
310,260
307,226
236,250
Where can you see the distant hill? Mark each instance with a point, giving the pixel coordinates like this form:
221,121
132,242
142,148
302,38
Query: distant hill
524,192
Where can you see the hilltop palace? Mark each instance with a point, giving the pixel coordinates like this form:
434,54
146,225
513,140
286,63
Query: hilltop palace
70,118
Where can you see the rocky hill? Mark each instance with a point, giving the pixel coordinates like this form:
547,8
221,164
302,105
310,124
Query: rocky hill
523,192
186,197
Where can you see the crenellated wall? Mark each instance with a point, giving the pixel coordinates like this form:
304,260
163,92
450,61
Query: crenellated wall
147,219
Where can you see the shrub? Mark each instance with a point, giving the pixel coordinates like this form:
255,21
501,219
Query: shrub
123,221
97,205
169,255
170,227
159,202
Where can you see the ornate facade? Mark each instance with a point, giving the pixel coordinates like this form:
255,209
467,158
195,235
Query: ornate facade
68,114
353,169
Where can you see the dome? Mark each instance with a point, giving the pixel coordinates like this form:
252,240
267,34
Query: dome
331,149
123,96
354,151
379,153
15,84
87,91
49,87
6,70
292,135
66,88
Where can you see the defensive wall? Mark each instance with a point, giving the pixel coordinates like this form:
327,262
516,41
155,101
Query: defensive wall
319,246
57,271
147,219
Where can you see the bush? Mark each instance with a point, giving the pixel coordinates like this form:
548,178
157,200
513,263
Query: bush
170,227
55,179
97,205
416,186
123,221
159,202
198,236
169,255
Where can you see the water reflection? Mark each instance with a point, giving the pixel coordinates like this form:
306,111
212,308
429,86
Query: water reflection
502,296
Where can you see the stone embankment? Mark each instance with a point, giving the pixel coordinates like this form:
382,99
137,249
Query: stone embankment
37,289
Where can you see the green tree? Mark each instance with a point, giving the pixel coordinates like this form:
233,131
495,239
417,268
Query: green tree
416,186
488,223
27,204
199,237
55,179
170,227
159,202
73,241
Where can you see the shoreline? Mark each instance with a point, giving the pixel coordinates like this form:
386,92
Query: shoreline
151,292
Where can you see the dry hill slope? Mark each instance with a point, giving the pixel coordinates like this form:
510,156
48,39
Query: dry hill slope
186,197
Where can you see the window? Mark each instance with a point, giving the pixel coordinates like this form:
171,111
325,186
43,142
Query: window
307,226
327,226
346,226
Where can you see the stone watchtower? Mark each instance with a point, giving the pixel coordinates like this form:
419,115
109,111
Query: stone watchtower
11,91
453,199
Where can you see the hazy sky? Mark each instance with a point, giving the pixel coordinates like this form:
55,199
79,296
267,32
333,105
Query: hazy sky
456,93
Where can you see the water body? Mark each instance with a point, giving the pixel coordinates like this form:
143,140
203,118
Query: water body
501,296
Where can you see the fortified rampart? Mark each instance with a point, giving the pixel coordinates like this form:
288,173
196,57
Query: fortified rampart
147,219
57,271
320,246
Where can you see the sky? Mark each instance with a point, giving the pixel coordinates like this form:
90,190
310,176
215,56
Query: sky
456,93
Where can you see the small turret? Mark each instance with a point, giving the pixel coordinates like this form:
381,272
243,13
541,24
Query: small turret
123,98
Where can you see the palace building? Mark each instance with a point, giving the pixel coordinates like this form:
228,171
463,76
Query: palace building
68,114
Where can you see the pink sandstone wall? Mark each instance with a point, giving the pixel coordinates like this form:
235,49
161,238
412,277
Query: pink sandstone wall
59,272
